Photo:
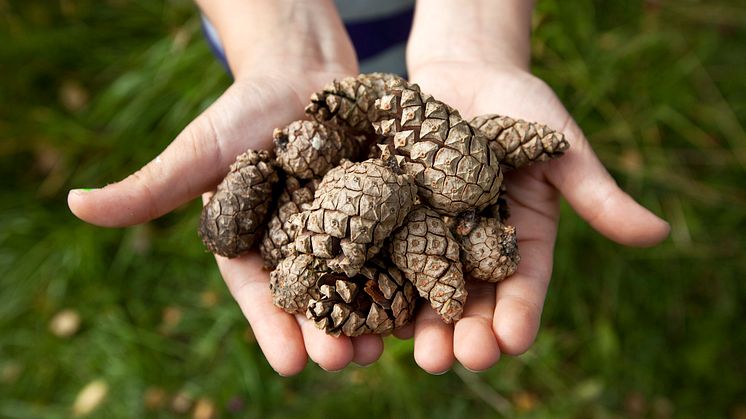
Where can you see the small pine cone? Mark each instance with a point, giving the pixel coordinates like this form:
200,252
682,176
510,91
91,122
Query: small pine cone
277,240
518,143
489,249
424,249
346,102
295,281
454,168
357,206
377,300
234,217
309,149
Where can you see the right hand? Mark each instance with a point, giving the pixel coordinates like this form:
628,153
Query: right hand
274,80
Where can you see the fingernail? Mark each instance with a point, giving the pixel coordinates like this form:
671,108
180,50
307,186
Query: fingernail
334,371
82,190
440,373
365,365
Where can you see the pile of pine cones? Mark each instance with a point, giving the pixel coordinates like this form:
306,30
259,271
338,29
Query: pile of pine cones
351,243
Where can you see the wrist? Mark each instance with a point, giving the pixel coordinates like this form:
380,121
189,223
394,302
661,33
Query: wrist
482,32
262,35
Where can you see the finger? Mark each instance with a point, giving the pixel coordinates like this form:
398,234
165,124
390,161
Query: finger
277,332
594,194
367,348
405,332
196,160
520,298
433,341
474,343
329,352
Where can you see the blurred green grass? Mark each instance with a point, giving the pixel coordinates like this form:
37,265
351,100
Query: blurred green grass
91,90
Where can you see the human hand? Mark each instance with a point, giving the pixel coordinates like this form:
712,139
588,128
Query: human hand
280,53
504,317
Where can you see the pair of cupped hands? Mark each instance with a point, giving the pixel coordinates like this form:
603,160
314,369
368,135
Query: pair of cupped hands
271,89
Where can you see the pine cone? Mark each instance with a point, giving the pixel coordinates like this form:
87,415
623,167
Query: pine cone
357,206
309,149
489,249
346,102
518,143
277,240
236,213
454,168
295,281
424,249
377,300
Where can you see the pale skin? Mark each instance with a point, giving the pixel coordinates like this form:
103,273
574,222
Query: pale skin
282,51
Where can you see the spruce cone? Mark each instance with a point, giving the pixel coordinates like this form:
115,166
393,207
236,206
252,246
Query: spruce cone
346,103
489,249
294,282
454,168
309,149
277,240
357,206
236,213
424,249
377,300
518,143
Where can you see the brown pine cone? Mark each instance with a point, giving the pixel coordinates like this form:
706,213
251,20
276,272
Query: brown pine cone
518,143
346,102
489,249
233,218
294,282
309,149
277,240
454,168
377,300
424,249
357,206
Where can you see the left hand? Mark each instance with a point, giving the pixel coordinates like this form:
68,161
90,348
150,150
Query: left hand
504,318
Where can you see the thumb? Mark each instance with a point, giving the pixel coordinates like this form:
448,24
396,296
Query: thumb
195,161
592,192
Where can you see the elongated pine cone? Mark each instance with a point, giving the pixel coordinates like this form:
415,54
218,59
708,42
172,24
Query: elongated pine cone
428,254
309,149
346,102
518,143
294,282
376,300
489,248
357,206
235,215
277,240
454,168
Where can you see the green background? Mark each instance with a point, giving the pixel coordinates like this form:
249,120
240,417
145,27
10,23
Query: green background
91,90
